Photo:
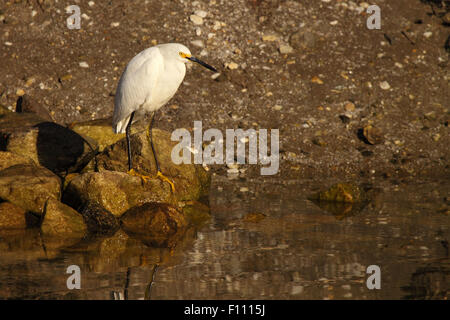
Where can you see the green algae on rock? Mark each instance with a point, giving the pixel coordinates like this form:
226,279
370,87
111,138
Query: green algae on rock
340,192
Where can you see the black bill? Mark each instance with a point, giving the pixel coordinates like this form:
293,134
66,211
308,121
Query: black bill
202,63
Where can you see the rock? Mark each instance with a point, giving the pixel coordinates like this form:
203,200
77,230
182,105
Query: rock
349,106
373,135
9,159
303,40
232,65
191,181
317,80
25,104
12,216
29,186
52,146
101,131
158,224
201,13
385,85
319,141
340,192
270,37
99,220
62,221
196,19
286,49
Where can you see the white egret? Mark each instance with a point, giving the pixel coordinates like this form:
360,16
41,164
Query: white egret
149,81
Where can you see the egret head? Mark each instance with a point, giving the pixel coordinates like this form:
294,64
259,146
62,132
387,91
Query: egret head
185,56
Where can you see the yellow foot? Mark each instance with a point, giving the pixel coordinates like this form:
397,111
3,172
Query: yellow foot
137,174
163,178
159,176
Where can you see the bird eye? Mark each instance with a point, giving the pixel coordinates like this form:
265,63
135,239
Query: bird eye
182,54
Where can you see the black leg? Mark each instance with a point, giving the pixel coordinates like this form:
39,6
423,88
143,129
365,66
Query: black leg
127,131
151,140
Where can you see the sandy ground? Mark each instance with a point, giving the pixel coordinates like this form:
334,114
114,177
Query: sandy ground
311,69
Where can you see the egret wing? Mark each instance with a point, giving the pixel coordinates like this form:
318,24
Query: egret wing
136,85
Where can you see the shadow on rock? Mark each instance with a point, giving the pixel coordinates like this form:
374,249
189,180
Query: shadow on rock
48,144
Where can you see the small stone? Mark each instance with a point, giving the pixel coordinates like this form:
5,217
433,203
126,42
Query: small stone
12,216
243,189
436,137
115,24
334,22
65,78
198,43
286,49
20,92
316,80
232,65
196,19
254,217
84,64
269,37
277,107
319,142
428,34
385,85
201,13
349,106
91,3
373,135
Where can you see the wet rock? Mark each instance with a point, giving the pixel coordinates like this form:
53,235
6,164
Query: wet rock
25,104
52,146
157,224
196,213
9,159
99,220
340,192
62,221
115,191
29,186
191,181
12,216
101,131
372,135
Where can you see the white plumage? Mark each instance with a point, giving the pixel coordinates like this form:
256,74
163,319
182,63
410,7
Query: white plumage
149,81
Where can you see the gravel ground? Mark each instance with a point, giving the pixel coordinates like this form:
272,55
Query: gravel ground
311,69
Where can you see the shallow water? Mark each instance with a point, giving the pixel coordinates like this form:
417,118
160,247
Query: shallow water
296,250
